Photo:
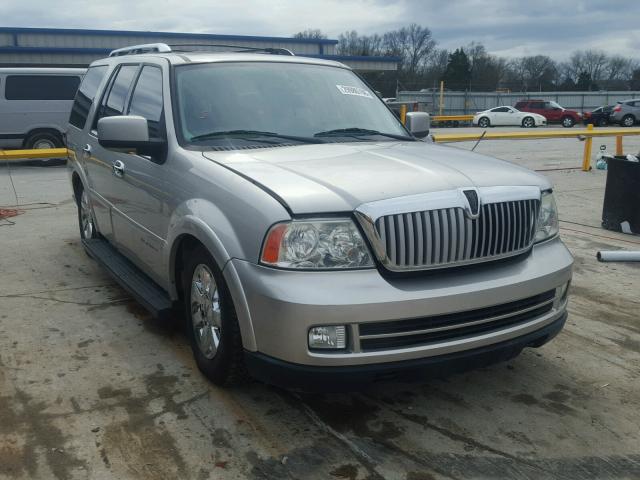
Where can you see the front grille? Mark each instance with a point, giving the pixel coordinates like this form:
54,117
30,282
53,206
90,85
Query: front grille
447,236
425,330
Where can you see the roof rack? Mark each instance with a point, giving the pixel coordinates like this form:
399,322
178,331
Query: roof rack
272,51
165,48
140,49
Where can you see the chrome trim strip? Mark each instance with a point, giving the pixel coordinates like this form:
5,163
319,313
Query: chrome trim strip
448,346
461,325
446,199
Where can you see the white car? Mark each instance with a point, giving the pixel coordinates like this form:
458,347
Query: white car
505,115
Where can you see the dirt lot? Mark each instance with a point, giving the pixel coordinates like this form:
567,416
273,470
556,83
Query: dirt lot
91,387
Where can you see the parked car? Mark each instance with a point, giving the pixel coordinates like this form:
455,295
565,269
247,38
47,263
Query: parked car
598,117
35,105
308,236
626,113
505,115
553,112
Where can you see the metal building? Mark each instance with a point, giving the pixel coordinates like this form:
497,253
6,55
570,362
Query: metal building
79,47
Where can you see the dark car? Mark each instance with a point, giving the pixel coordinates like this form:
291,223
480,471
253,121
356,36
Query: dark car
598,117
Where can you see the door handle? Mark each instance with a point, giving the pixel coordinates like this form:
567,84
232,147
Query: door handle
86,149
118,169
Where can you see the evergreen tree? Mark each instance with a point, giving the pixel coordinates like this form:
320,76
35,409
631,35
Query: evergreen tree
457,75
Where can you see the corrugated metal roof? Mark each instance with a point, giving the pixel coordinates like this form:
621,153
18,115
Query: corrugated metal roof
137,33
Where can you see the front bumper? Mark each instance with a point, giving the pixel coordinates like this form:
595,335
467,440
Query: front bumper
311,378
283,305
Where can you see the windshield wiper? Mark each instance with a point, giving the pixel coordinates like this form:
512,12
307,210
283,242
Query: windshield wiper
359,132
252,134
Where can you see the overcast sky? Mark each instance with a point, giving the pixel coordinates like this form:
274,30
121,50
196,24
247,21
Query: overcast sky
505,27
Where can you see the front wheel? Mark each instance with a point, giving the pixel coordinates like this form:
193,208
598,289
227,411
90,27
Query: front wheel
528,122
603,122
484,122
212,324
568,122
85,216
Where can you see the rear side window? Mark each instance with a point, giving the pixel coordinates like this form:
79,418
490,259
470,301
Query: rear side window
86,94
113,103
41,87
538,105
146,100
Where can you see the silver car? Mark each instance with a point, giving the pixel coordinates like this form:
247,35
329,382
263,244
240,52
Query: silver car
35,105
626,113
308,238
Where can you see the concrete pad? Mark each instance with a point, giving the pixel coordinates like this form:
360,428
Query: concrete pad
91,387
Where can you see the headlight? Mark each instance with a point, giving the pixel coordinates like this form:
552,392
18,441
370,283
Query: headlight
315,244
547,218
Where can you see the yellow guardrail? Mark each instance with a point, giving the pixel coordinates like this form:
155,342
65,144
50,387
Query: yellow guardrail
35,153
451,118
534,134
587,134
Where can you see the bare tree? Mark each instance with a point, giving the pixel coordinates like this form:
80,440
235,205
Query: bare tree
590,62
413,44
350,43
311,33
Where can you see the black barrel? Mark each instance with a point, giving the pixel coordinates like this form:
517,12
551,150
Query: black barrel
622,195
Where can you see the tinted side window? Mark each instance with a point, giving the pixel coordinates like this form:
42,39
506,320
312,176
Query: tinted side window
41,87
501,110
538,105
146,100
113,102
86,94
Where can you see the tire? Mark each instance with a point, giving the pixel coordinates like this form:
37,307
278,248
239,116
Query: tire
43,140
568,122
603,122
528,122
628,121
484,122
211,320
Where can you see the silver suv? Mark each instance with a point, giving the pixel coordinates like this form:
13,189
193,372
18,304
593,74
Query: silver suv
626,113
309,238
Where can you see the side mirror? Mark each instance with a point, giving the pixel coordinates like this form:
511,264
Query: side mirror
128,133
418,123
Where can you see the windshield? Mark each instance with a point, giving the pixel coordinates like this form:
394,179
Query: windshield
268,103
555,105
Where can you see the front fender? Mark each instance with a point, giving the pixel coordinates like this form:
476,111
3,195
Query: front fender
195,218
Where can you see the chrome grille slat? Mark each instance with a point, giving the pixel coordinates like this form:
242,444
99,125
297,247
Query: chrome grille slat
419,228
448,237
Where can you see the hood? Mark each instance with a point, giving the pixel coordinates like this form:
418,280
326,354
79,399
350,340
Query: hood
341,176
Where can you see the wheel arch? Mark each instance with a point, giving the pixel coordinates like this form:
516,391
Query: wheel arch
193,232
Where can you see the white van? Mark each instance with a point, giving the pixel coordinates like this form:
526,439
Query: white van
35,105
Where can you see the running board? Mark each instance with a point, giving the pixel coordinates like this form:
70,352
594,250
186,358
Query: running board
130,277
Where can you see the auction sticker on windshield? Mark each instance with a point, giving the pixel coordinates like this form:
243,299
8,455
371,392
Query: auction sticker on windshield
357,91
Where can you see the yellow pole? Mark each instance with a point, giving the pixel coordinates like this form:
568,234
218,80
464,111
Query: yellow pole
441,96
619,145
403,114
586,159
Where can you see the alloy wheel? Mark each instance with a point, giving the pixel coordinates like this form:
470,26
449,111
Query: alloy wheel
86,220
205,311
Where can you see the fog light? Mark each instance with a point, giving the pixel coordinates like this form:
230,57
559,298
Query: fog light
333,337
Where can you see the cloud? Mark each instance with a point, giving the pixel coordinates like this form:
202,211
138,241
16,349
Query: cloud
505,27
